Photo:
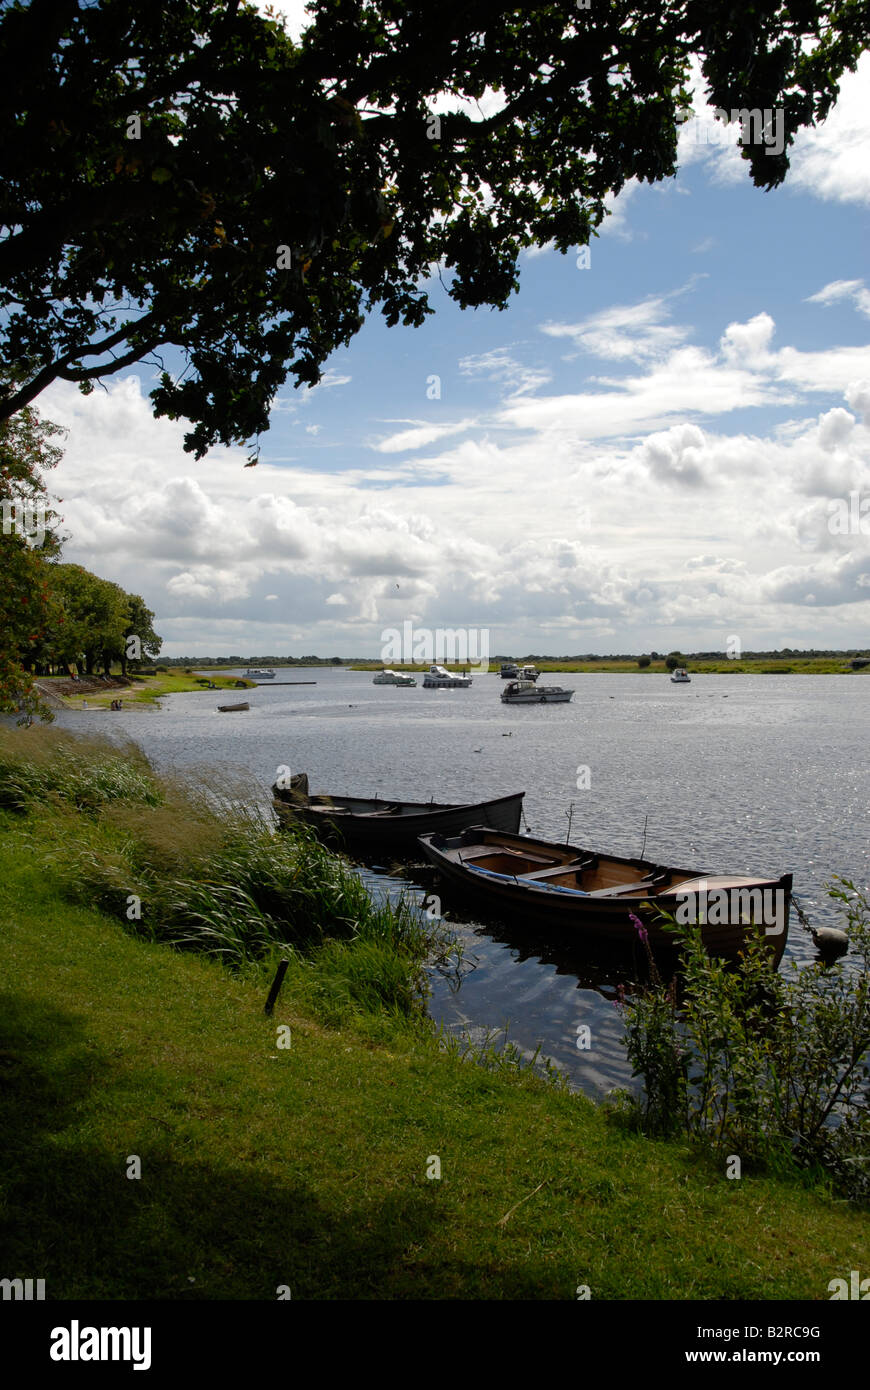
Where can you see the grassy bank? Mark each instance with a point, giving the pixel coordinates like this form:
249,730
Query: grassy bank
265,1165
146,690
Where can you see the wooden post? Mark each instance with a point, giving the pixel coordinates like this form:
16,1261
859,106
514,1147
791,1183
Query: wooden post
276,987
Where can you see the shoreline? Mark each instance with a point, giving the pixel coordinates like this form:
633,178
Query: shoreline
145,692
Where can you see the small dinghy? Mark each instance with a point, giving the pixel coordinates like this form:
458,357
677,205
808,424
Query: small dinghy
230,709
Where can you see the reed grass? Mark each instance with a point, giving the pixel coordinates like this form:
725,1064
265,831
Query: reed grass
206,873
42,764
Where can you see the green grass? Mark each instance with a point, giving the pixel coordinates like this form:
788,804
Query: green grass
306,1166
149,690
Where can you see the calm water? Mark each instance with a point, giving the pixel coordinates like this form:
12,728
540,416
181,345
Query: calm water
746,774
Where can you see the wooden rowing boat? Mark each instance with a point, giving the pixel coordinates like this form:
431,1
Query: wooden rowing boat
229,709
366,826
565,886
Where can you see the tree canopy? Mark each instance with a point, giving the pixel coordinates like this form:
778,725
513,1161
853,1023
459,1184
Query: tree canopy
183,176
27,537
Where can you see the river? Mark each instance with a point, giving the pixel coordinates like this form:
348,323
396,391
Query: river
744,774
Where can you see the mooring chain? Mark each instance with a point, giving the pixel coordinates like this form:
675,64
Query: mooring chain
802,916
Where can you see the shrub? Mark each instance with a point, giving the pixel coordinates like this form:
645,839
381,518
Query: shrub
748,1062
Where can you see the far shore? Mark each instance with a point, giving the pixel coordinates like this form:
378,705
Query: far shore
792,666
142,692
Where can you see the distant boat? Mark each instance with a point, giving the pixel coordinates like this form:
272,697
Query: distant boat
388,677
529,673
439,678
255,674
527,693
680,676
373,826
564,886
509,671
230,709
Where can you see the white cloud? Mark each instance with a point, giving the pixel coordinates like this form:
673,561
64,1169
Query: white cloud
622,512
627,331
420,435
748,344
501,366
844,289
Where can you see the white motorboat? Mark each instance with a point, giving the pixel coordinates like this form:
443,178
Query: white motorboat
255,674
529,673
680,676
527,693
439,678
388,677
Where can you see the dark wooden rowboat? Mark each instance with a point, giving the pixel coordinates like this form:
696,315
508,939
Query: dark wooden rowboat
365,826
565,886
228,709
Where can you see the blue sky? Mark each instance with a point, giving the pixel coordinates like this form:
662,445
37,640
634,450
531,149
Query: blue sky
643,454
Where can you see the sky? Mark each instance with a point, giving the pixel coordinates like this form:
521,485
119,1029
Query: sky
666,449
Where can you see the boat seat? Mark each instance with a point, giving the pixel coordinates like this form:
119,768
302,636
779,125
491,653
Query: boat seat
642,885
573,866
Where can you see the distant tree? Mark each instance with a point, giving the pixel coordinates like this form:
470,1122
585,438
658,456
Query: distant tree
643,661
184,175
96,617
674,659
140,624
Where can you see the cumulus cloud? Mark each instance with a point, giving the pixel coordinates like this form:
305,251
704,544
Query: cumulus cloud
748,344
558,514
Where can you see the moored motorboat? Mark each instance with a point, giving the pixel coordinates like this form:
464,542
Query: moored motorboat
388,677
509,670
527,693
255,673
364,825
586,892
439,678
